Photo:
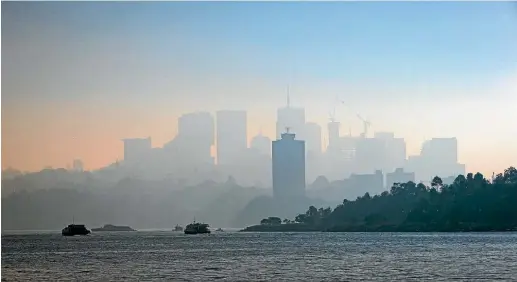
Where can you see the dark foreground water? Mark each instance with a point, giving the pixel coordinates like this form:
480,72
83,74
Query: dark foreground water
260,256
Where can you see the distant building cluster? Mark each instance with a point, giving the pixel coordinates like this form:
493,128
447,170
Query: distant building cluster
291,162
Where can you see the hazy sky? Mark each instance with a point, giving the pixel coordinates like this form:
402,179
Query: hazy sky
78,77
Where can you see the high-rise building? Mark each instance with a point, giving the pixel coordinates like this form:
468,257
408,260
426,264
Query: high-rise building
313,138
384,135
438,157
231,136
441,150
333,128
135,149
198,126
370,155
256,167
371,183
399,176
288,167
395,150
77,165
195,137
262,144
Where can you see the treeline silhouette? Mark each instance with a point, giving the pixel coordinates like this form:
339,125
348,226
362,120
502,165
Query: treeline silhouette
470,203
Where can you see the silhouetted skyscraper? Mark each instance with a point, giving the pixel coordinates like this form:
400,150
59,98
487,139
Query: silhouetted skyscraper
399,176
195,137
261,144
313,137
395,151
438,157
135,149
441,150
231,136
77,165
333,129
370,155
288,167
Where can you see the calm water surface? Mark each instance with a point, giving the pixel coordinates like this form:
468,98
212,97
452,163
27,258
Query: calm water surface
142,256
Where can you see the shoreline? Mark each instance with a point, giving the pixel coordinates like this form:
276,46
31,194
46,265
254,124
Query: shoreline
290,228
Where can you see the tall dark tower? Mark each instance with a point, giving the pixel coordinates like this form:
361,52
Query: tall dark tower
288,167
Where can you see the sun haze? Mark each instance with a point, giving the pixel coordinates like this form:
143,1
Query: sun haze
79,77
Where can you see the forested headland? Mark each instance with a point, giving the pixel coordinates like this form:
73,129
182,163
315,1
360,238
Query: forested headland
470,203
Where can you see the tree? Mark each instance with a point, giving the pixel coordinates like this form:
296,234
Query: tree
275,220
470,203
509,176
437,183
272,220
312,211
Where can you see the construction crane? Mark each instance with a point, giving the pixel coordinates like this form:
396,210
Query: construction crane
332,114
366,125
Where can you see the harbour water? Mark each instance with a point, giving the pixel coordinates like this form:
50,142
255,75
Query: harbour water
233,256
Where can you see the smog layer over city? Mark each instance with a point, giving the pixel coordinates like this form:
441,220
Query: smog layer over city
281,120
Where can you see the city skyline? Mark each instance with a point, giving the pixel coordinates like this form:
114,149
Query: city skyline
74,86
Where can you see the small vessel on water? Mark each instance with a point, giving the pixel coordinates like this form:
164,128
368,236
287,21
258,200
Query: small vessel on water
75,229
197,228
219,230
178,228
110,227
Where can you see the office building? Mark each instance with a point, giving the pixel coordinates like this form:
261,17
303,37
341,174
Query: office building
135,149
395,150
370,155
231,136
195,137
399,176
288,167
261,144
78,165
312,138
333,129
371,183
441,150
438,157
198,126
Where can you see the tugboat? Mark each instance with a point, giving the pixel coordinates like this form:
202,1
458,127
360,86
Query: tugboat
178,228
75,229
197,228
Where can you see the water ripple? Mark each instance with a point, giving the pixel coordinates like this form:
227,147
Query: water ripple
152,256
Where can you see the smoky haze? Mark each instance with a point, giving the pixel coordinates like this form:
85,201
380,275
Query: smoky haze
154,114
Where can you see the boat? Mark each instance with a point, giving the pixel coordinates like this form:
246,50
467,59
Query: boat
110,227
75,229
219,230
197,228
178,228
